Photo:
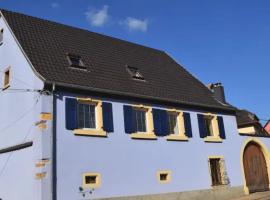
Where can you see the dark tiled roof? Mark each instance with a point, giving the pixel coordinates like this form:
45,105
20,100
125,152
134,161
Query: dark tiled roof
245,117
47,43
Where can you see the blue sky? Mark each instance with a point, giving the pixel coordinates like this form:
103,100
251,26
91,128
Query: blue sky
224,41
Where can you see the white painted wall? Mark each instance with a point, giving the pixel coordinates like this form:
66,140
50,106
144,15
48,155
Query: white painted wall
19,112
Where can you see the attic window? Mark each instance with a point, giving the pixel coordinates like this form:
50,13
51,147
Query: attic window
135,73
75,61
1,36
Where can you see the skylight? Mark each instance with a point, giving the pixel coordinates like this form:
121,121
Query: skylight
135,73
75,61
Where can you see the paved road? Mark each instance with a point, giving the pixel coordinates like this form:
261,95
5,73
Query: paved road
256,196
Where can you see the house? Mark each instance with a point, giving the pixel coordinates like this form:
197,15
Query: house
87,116
267,127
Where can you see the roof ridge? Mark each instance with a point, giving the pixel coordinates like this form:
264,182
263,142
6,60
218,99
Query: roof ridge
81,29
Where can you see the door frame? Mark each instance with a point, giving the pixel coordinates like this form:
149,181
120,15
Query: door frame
266,155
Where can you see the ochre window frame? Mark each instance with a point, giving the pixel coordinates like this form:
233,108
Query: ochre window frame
91,185
6,83
214,123
149,134
98,131
224,180
181,136
169,176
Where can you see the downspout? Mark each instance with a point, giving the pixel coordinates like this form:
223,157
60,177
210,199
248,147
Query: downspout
54,146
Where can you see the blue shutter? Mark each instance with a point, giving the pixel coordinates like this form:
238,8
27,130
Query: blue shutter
221,127
71,113
202,125
160,119
187,122
164,122
129,119
107,117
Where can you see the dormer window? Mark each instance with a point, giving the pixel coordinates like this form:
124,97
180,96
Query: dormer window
75,61
1,36
135,73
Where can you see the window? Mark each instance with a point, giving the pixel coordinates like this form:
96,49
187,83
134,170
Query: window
218,171
140,120
179,126
91,117
173,123
211,127
86,116
1,36
215,171
164,176
76,61
6,78
91,180
135,73
208,125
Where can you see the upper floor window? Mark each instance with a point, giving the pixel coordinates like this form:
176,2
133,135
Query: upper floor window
6,83
1,36
87,116
138,121
173,123
211,127
76,61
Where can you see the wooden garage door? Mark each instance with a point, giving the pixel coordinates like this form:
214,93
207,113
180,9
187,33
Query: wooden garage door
255,168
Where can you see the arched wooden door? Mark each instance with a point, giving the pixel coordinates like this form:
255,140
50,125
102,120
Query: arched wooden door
255,168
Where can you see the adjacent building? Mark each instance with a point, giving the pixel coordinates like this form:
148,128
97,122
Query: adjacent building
88,116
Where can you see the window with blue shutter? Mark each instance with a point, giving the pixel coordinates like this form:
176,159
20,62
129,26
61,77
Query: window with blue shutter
129,120
71,113
202,125
187,123
107,117
221,127
160,118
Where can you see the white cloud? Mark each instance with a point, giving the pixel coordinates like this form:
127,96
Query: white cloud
97,17
55,5
134,24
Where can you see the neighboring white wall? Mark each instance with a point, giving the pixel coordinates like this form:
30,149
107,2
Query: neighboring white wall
19,112
128,166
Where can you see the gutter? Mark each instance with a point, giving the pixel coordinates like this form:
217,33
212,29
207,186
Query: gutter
54,147
224,109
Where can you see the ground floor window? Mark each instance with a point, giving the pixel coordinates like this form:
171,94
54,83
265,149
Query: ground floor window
217,170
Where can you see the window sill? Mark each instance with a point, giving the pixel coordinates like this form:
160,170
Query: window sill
213,139
147,136
177,138
98,133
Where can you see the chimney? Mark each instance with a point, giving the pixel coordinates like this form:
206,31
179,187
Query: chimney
218,91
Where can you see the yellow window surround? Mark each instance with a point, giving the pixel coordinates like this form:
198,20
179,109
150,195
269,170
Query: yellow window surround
150,135
164,176
7,74
99,119
214,123
181,136
224,177
95,181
